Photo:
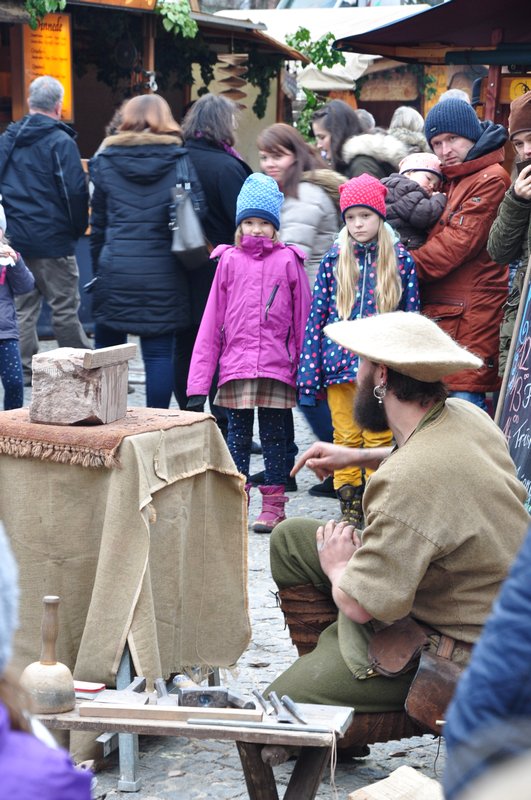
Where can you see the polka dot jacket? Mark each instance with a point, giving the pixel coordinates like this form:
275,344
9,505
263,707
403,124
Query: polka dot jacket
323,362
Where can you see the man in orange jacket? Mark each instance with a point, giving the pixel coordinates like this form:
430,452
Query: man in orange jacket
462,288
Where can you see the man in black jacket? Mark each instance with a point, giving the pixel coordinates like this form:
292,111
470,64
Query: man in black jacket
46,203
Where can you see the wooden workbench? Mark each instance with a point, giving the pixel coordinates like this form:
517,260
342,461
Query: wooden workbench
315,747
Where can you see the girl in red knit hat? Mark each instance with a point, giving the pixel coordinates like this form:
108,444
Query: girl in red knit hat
367,271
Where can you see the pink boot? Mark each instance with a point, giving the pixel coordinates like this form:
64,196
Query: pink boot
273,502
248,487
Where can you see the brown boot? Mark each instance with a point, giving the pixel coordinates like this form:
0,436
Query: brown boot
307,612
350,504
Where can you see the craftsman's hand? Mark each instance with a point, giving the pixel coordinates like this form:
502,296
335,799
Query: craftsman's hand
336,544
324,458
522,185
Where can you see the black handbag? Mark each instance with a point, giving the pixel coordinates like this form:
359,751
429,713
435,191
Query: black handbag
188,204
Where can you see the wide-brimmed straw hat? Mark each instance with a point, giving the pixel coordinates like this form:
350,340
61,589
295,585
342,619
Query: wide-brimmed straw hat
407,342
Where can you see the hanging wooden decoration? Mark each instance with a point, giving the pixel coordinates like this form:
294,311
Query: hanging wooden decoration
231,83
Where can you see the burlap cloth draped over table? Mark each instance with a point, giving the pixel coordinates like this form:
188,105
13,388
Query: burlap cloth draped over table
152,550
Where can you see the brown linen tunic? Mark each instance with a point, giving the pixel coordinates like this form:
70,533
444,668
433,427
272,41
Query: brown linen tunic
445,519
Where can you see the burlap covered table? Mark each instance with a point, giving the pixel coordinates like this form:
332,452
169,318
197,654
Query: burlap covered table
152,552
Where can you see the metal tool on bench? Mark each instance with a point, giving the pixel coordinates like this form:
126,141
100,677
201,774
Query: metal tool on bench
268,708
163,696
285,709
281,711
213,697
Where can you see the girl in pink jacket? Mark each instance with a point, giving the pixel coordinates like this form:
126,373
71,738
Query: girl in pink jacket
253,326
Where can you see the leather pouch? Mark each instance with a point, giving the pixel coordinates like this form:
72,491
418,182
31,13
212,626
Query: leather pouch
432,689
396,649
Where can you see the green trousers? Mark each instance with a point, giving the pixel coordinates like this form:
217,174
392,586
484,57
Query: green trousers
323,675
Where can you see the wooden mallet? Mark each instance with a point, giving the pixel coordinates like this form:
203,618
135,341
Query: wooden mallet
49,683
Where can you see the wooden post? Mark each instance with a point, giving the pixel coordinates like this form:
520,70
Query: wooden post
492,109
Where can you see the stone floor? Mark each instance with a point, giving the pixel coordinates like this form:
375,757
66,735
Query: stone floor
181,769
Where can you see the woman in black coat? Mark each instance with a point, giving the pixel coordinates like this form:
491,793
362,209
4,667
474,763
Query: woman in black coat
140,288
208,130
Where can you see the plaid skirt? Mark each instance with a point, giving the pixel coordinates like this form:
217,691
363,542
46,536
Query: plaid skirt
254,392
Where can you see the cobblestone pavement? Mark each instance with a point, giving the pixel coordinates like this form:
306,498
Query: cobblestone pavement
181,769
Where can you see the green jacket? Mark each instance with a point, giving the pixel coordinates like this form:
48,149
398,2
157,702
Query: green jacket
509,240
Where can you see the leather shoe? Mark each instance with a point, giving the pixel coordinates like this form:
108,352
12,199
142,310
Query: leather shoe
324,489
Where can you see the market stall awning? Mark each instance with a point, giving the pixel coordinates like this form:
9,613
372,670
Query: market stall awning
456,32
281,23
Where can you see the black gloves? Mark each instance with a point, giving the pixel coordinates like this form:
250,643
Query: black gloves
196,403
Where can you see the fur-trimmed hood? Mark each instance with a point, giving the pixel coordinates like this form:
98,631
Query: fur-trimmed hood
141,157
415,141
139,139
381,146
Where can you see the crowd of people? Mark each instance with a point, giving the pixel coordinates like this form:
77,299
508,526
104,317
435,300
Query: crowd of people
351,278
378,220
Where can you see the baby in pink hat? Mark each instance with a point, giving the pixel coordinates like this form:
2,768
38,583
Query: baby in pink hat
414,198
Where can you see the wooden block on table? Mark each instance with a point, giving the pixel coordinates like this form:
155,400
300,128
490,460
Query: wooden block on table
66,391
107,356
182,713
405,783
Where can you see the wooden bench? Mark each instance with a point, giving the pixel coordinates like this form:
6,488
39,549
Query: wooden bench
315,745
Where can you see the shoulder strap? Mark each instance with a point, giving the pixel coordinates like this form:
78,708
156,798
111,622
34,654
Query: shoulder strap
186,178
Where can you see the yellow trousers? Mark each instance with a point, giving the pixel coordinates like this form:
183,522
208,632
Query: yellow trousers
347,431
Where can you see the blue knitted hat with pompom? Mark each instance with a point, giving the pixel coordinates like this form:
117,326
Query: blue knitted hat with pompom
259,197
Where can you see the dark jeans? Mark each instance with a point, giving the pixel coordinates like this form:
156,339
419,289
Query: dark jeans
157,354
184,346
271,425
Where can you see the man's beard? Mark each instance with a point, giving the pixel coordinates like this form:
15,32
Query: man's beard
369,413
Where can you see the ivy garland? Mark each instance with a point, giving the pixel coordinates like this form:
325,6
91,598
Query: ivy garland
37,9
175,15
261,70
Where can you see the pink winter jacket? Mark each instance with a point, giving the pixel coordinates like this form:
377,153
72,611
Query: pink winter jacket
255,316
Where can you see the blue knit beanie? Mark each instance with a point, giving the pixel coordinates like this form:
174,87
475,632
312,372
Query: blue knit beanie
259,197
8,599
453,116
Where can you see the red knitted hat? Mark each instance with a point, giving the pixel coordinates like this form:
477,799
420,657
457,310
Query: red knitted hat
364,191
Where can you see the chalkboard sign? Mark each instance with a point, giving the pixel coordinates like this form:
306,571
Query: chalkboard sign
514,406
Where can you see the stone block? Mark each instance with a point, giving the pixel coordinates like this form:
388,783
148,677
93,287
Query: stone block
73,385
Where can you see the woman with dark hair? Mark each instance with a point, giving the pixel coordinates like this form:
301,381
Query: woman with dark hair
339,132
140,288
332,125
209,136
310,218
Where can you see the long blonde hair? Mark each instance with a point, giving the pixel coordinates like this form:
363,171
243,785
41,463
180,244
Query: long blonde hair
388,283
